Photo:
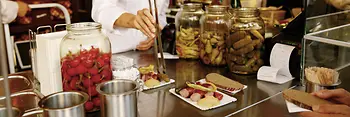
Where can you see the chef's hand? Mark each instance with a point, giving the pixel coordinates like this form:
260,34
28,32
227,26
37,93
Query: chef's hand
23,8
144,22
328,111
145,45
340,96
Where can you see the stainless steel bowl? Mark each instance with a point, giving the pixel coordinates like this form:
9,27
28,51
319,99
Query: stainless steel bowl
17,84
118,98
15,112
314,87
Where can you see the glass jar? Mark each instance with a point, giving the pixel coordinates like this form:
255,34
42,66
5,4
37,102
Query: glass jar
188,30
245,42
85,60
214,30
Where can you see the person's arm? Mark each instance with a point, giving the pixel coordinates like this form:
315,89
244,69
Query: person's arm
9,11
112,16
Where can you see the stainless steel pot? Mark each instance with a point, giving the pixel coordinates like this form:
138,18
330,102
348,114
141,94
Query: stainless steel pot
15,112
314,87
119,98
62,104
17,84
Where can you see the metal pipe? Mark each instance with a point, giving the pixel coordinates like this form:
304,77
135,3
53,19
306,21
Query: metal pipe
4,68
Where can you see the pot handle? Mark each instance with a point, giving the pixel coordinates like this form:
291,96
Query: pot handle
141,84
33,112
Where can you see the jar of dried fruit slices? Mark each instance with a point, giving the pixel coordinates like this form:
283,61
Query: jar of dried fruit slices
188,30
85,60
214,30
245,42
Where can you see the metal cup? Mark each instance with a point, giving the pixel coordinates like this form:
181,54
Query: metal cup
118,98
62,104
314,87
15,112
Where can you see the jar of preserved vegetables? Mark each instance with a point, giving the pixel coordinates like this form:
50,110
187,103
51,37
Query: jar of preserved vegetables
85,60
188,30
245,42
214,31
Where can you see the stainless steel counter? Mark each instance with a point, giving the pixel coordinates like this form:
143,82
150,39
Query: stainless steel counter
259,98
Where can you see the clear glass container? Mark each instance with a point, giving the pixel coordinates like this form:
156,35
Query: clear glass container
329,48
85,60
214,30
245,43
188,30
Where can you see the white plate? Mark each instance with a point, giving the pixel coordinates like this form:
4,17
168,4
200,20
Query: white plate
162,83
232,92
225,100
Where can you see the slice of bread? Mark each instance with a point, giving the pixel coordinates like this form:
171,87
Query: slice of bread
303,99
223,82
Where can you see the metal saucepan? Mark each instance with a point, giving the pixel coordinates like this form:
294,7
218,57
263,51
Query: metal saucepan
61,104
314,87
119,98
17,84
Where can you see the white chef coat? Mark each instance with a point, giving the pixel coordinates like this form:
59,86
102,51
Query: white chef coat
124,39
9,10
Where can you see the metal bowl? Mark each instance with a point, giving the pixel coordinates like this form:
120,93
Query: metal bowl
17,84
15,112
314,87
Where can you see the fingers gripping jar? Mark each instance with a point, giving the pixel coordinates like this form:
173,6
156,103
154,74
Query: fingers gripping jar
85,60
245,42
188,30
214,30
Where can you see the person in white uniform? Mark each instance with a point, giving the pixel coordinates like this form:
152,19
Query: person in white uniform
129,23
10,10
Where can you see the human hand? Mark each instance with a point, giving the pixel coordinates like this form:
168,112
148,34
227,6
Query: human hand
145,45
340,96
145,22
328,110
23,8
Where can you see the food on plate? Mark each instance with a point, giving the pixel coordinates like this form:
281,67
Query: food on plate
223,82
151,78
303,99
321,75
208,102
212,46
187,40
152,82
202,92
203,86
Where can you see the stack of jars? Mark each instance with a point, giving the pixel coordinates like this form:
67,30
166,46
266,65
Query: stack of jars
220,38
85,61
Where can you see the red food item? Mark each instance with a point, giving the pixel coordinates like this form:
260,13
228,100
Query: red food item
74,63
93,71
71,72
87,83
100,62
73,83
202,93
66,77
81,69
218,95
106,59
195,97
94,50
198,83
184,93
83,52
91,56
88,63
92,91
96,101
66,87
190,90
96,79
206,85
89,106
106,73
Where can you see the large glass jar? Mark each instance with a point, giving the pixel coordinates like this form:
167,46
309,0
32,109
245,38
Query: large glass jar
214,30
245,42
188,30
85,60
